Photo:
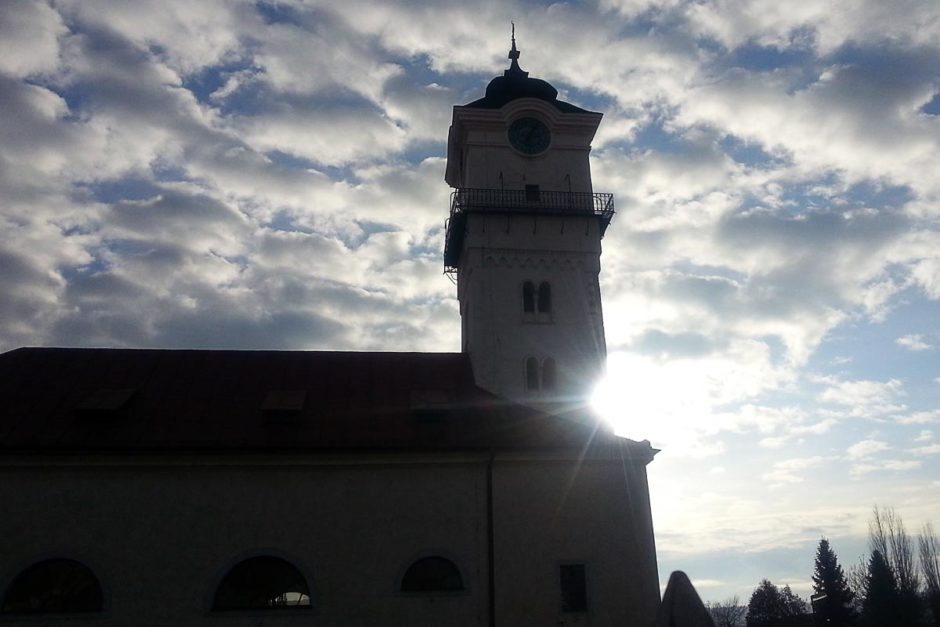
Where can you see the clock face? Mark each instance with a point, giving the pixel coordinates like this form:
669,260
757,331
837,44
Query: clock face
529,136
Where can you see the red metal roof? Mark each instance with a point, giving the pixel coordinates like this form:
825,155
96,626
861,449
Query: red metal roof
69,399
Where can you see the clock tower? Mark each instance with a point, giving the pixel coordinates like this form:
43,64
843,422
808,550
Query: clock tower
524,240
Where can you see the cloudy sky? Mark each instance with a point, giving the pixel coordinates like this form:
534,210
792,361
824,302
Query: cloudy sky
270,175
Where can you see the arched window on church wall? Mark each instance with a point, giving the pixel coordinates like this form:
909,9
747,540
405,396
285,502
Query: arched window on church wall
545,298
54,586
432,574
528,297
262,583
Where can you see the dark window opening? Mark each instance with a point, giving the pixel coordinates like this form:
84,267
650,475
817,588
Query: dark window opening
532,193
573,588
545,297
262,583
528,297
549,376
54,586
105,404
283,406
532,374
432,574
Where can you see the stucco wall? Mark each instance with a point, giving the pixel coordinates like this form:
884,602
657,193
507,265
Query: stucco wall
160,534
500,253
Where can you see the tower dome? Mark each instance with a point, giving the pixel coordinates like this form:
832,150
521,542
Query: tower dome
515,83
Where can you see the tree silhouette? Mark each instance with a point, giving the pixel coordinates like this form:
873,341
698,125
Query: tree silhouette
727,613
930,567
882,603
770,606
887,536
833,604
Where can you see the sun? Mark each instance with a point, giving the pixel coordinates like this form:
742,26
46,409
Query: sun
645,398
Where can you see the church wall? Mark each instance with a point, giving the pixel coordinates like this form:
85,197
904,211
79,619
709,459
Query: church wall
594,513
160,537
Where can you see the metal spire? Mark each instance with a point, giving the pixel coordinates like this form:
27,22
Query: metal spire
514,55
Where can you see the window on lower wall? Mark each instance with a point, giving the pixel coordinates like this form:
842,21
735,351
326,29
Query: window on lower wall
262,583
432,574
573,588
54,586
549,375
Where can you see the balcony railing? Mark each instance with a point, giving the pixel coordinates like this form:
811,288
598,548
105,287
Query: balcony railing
468,200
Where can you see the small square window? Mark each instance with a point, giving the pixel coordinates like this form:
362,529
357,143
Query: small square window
532,193
573,588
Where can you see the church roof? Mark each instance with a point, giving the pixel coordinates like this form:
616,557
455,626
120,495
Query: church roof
117,400
515,83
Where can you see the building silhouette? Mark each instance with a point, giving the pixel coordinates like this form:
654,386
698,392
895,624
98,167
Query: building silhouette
168,487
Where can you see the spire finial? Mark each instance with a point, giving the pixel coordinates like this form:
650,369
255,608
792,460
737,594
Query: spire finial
514,68
513,53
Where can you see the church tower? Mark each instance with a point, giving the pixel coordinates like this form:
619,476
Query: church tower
524,239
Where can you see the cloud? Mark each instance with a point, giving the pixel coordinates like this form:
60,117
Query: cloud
269,175
896,465
29,38
866,448
918,417
913,342
932,449
789,470
863,398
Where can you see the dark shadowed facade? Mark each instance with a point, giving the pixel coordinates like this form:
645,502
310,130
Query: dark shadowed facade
169,487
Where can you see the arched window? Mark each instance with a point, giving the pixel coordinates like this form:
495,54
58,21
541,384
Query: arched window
528,297
54,586
532,374
545,297
432,574
262,583
549,375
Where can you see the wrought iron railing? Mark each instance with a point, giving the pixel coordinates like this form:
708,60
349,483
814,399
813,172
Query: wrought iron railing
469,200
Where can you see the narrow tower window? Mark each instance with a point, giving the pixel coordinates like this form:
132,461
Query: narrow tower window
549,376
528,297
545,297
532,374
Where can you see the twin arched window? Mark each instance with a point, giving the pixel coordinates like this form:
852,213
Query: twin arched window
54,586
537,300
540,377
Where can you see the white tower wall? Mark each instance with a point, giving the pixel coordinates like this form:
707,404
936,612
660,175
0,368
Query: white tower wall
552,237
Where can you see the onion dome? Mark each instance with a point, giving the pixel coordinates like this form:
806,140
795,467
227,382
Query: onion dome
515,83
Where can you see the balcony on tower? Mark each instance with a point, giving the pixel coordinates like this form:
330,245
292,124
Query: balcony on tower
531,200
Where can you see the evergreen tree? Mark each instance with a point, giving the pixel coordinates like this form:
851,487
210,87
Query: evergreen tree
882,603
793,605
769,606
835,608
887,536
